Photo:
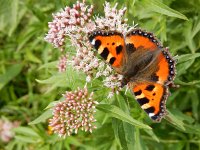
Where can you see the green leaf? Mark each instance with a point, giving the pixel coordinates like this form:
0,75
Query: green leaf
138,141
9,13
123,131
188,36
185,61
26,139
119,132
70,78
25,37
49,65
152,134
45,147
52,104
26,131
42,118
161,8
196,29
187,83
187,57
182,68
11,145
31,57
195,103
54,79
10,73
175,121
116,112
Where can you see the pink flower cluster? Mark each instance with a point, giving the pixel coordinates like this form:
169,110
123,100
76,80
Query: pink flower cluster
6,133
113,19
68,22
62,65
74,113
74,24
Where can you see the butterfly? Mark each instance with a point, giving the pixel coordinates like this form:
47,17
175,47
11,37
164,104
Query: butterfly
147,67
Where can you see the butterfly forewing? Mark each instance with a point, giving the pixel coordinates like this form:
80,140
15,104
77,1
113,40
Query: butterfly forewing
141,40
110,45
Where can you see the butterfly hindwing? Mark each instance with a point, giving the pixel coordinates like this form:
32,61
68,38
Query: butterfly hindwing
152,98
166,68
110,45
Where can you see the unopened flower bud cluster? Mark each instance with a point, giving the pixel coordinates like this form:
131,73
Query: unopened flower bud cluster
74,113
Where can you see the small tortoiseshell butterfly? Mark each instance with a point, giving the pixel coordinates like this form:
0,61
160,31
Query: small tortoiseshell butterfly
146,66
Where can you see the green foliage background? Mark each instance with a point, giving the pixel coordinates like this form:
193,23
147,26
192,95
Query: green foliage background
29,79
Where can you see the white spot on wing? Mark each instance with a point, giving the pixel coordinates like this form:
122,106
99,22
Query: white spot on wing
151,114
93,42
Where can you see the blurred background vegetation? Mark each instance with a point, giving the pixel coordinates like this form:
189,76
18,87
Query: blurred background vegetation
25,57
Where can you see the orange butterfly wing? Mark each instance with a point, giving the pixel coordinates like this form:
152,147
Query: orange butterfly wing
110,45
152,95
152,98
145,40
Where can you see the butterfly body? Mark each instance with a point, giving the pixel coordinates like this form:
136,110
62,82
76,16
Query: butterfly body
146,66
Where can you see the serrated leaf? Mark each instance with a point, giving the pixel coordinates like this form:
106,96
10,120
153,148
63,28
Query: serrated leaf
42,118
116,112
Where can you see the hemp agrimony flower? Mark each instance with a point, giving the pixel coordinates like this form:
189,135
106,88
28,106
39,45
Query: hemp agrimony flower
74,23
74,113
6,126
